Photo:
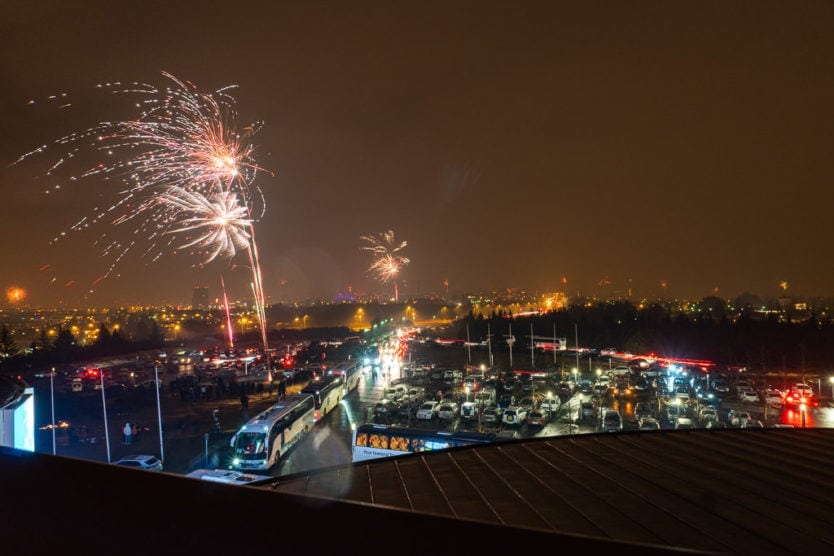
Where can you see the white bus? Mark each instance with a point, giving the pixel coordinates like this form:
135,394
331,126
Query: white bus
350,371
327,392
267,437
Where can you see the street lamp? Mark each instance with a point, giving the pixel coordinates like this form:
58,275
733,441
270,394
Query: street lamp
159,411
52,400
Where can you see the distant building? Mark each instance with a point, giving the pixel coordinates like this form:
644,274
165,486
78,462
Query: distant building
200,298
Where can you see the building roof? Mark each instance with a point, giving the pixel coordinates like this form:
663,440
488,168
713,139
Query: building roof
736,491
720,491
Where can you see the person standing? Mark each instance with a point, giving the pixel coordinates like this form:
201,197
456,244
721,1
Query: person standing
128,434
244,404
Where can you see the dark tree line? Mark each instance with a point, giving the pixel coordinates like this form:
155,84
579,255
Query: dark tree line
760,342
64,348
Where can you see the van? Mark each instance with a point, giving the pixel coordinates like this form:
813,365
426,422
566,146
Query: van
550,405
468,410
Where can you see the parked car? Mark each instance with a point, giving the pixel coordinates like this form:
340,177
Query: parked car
708,414
739,419
683,423
565,389
612,422
386,409
428,410
527,403
468,410
649,424
749,396
587,410
141,461
416,395
514,415
448,411
492,414
537,418
803,389
551,405
774,397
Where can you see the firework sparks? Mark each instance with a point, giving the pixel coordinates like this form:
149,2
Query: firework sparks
387,262
219,222
184,168
181,139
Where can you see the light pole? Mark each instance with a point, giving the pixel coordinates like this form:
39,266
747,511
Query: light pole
159,413
576,335
104,409
52,401
489,348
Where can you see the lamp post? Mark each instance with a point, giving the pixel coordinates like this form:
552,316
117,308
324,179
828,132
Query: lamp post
104,409
52,401
159,412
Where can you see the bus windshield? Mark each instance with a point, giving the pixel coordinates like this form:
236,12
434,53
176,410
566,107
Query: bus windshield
249,444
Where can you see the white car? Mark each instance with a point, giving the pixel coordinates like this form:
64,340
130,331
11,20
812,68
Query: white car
708,414
146,462
774,398
428,410
514,415
649,424
448,411
749,396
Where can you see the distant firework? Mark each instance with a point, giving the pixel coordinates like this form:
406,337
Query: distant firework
387,262
15,294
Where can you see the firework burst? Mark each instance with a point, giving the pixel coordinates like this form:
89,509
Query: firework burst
387,262
215,226
179,140
185,172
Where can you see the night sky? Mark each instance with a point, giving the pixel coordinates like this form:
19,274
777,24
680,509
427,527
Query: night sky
510,144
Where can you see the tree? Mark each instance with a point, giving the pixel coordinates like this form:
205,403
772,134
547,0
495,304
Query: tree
64,347
42,342
8,347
